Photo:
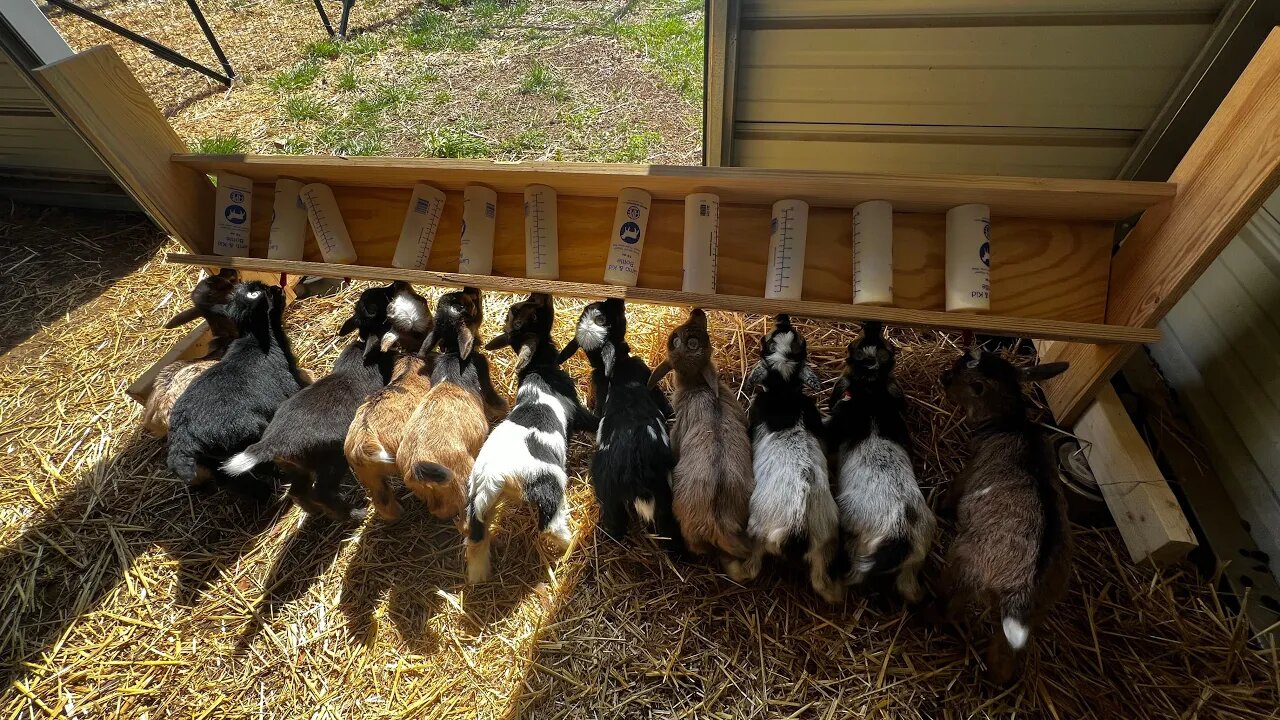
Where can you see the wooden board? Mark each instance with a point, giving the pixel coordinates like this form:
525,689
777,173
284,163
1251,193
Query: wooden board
1232,167
193,346
104,102
1008,197
1050,270
1145,510
994,324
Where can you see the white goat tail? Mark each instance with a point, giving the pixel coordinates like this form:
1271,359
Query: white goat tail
240,464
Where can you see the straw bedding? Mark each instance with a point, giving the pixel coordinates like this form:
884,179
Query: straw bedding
128,596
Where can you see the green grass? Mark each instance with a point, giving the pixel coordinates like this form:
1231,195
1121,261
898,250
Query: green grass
435,31
360,46
441,97
453,142
293,146
300,108
540,79
299,77
220,145
531,139
347,79
635,148
385,97
671,40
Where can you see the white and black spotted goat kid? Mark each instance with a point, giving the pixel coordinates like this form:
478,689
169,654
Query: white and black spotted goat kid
885,524
632,465
525,454
792,502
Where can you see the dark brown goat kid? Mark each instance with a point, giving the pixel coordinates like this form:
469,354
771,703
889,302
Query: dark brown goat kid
1011,558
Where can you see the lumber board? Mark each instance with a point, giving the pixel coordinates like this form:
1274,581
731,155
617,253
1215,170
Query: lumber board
1231,168
1144,508
1047,270
1008,197
994,324
104,102
192,346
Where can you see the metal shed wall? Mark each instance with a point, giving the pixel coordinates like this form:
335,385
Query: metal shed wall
1219,352
1037,87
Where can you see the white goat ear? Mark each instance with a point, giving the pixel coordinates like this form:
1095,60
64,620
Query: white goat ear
389,339
525,354
608,354
810,378
465,342
757,374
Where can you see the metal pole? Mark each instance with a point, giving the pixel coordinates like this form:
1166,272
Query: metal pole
213,41
346,13
156,48
324,18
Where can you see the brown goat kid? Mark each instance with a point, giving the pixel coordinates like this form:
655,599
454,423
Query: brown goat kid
447,429
713,478
378,429
1011,558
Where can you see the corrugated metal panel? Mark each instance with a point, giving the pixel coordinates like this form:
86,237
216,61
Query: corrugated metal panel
1220,354
998,71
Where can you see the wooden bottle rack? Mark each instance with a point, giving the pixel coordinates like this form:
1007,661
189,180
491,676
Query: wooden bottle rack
1051,239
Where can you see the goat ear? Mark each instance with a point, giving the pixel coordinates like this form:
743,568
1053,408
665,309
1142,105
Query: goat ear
568,351
608,354
526,354
757,374
1040,373
810,378
183,318
697,318
351,324
711,376
466,342
659,372
428,344
370,344
498,341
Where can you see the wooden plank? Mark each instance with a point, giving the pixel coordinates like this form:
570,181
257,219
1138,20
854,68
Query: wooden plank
1233,166
1145,510
192,346
721,75
1054,199
104,102
995,324
1051,270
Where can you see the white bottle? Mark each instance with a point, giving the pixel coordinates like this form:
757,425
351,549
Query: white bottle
627,241
873,253
701,242
326,224
232,215
479,221
288,222
969,258
421,220
541,233
787,231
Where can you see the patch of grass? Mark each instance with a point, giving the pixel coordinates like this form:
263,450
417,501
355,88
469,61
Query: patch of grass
671,39
580,117
299,77
635,148
385,97
435,31
301,108
347,79
352,137
441,97
540,79
531,139
454,142
292,146
359,46
220,145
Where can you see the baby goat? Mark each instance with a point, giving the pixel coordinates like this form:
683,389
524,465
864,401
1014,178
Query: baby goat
207,301
229,406
792,501
886,524
305,438
1012,552
378,426
712,481
631,468
446,430
525,455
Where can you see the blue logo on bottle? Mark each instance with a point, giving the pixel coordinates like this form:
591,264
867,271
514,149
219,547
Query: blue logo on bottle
984,253
630,233
236,214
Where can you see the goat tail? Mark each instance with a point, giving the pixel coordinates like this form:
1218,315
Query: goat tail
367,449
881,556
245,460
1014,610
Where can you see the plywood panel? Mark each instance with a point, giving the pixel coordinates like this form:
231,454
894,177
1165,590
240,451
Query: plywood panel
1041,269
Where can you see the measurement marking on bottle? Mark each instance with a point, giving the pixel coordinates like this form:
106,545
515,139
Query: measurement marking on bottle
321,228
538,233
782,251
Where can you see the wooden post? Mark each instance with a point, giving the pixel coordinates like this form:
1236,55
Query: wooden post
1222,181
1145,509
106,105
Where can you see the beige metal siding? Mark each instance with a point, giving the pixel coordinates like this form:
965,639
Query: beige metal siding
1053,88
34,141
1219,352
